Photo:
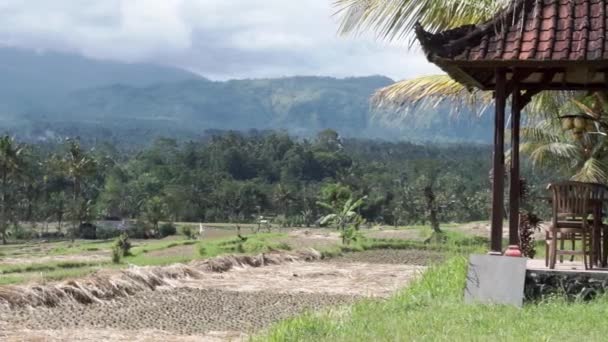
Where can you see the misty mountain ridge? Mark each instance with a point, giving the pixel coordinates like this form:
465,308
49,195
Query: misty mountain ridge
53,94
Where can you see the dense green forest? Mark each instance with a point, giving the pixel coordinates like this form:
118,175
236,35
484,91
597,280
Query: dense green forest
237,177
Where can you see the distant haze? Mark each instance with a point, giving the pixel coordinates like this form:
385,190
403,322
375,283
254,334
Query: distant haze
219,39
54,95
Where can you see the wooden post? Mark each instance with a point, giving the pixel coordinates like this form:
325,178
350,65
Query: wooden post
516,106
498,165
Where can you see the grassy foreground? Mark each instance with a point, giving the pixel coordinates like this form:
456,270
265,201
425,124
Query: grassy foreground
432,309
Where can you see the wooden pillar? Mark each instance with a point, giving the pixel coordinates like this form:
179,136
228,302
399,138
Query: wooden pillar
498,165
514,186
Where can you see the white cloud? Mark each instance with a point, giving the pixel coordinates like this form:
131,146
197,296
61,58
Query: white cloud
217,38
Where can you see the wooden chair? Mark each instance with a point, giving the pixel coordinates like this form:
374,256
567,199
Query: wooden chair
570,221
599,194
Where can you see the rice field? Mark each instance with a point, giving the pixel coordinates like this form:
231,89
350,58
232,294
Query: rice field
220,288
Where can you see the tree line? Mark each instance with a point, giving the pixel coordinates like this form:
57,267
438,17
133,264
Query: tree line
239,177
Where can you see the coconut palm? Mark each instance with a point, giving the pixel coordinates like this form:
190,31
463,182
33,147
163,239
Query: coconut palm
10,167
155,211
283,198
396,20
582,155
77,165
545,143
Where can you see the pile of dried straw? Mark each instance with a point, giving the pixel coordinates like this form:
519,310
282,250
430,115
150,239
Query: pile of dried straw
106,285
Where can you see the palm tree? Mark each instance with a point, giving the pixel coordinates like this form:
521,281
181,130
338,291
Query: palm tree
394,20
155,211
583,156
544,142
77,165
10,167
283,197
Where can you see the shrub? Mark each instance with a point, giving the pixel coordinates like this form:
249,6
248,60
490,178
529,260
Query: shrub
116,254
167,229
138,230
529,224
87,231
22,233
121,248
107,232
189,232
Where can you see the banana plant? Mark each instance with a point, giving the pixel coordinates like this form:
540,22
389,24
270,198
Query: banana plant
345,218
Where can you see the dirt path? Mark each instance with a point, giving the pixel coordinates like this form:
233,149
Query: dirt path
311,238
221,306
403,234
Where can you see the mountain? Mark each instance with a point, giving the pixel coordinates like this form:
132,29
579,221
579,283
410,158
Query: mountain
30,79
49,95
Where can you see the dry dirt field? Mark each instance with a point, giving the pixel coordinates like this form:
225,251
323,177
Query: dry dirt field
220,306
214,306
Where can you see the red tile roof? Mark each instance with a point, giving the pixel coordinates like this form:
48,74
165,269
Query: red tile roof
531,30
527,32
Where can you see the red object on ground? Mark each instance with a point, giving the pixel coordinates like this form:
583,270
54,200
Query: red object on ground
513,251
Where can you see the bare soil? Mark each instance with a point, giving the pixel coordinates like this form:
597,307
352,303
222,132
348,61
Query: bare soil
403,234
335,278
86,335
220,306
184,311
392,256
312,238
176,251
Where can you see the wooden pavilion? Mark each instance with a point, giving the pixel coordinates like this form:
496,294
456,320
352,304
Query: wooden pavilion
528,47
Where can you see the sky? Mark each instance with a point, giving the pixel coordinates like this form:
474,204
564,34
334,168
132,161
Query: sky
219,39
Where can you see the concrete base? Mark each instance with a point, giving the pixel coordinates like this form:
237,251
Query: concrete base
495,280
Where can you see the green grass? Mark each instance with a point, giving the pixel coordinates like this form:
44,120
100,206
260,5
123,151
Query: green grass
452,243
259,243
51,274
432,309
58,270
44,267
80,246
153,245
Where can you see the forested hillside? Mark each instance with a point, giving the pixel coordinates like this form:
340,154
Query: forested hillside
50,95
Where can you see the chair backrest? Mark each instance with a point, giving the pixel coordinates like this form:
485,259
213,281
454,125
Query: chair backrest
571,199
599,191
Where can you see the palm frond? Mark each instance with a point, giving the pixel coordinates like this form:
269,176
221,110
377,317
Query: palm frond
427,92
354,206
328,219
541,134
586,109
593,170
395,19
549,104
555,152
325,205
